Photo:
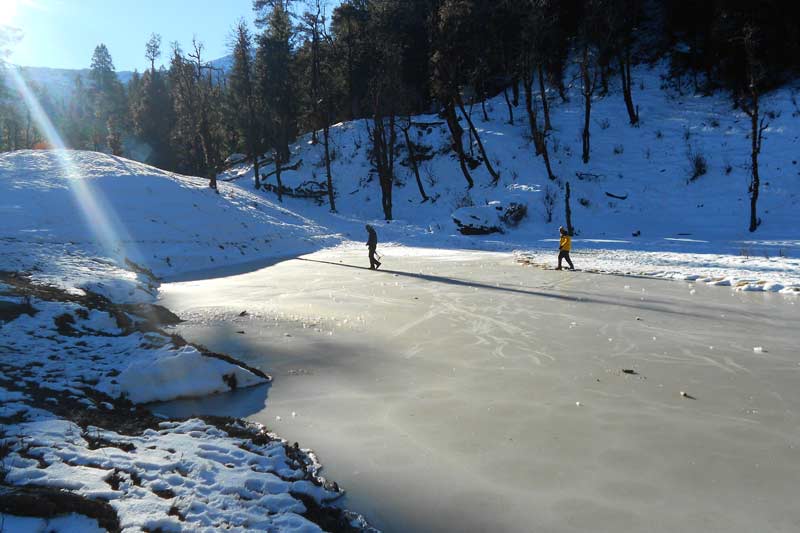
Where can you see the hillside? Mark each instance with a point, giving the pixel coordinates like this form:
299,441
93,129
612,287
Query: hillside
66,207
705,219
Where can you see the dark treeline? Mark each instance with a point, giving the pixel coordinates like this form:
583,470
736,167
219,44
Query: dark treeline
385,60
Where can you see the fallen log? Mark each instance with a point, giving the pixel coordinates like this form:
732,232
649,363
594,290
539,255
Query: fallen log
283,169
618,197
588,176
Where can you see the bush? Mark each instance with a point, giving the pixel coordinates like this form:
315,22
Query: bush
618,149
698,166
514,214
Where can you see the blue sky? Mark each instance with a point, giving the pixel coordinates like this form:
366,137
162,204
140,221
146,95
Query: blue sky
63,33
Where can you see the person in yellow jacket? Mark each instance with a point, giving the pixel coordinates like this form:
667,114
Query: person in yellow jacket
564,246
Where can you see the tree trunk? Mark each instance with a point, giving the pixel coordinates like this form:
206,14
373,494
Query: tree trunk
755,183
256,170
510,109
515,90
627,87
545,105
546,158
326,139
389,181
494,174
530,107
562,91
278,163
457,132
412,158
483,108
380,151
568,212
588,89
604,75
586,121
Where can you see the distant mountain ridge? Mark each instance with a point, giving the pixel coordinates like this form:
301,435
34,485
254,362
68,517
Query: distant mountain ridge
59,82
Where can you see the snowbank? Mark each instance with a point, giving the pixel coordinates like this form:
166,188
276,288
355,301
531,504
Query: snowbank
181,374
743,273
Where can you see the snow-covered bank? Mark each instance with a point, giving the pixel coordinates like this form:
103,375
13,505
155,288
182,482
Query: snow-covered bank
741,272
84,238
70,368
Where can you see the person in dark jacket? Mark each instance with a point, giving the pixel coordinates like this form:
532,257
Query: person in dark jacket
372,243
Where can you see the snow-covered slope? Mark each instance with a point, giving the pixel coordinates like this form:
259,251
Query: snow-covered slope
73,363
57,203
635,193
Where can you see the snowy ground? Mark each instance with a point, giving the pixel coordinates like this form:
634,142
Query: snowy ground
463,391
685,229
82,346
86,240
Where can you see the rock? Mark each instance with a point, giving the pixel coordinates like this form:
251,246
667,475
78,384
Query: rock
489,218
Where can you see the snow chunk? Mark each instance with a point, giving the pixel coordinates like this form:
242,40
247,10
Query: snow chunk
186,373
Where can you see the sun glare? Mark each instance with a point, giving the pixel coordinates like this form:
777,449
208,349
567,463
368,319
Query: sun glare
8,11
102,221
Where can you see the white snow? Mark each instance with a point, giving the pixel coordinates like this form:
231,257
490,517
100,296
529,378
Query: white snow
181,374
665,227
184,474
89,222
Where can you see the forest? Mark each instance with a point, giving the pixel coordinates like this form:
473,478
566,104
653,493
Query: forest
384,61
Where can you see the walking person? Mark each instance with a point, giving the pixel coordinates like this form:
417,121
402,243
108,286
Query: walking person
372,243
564,246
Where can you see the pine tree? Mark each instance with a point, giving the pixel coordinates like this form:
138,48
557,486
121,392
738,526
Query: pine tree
274,84
107,100
242,97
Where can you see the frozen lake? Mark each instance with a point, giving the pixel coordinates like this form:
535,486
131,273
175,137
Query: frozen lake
461,391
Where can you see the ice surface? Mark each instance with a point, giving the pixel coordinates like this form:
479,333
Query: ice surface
447,402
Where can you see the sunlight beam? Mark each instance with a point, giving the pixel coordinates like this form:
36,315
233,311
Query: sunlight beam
97,214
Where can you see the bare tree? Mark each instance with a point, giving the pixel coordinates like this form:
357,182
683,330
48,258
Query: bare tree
568,211
412,158
495,175
588,86
758,122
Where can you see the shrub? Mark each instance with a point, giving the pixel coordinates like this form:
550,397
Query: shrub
698,166
618,149
514,214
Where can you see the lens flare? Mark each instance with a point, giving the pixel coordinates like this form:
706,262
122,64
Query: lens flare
98,216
